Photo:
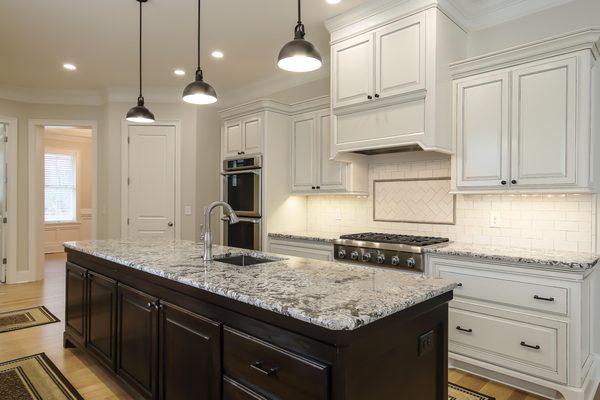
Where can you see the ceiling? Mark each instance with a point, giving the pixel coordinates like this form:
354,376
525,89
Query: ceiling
100,37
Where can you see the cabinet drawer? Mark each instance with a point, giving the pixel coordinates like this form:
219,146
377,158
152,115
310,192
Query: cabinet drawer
480,286
233,390
272,371
534,347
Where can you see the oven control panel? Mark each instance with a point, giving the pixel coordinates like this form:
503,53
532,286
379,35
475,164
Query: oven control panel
380,257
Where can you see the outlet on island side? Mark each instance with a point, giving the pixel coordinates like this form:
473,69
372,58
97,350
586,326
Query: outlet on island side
426,342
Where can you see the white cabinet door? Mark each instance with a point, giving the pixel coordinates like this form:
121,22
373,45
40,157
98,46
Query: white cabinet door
332,174
482,131
352,71
400,57
252,128
304,174
232,139
544,114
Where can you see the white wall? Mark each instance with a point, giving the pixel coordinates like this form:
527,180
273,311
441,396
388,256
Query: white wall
551,22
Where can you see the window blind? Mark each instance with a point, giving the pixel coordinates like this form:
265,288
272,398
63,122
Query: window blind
60,196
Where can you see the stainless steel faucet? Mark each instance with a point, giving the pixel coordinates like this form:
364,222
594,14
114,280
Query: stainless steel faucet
233,219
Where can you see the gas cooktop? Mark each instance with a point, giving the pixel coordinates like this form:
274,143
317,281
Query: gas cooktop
395,238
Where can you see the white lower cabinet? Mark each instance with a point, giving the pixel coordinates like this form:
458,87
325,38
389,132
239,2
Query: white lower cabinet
302,248
521,324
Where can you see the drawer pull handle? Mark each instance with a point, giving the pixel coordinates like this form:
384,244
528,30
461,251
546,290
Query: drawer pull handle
459,328
543,298
258,366
536,347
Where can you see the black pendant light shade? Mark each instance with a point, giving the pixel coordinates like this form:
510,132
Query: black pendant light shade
299,55
139,113
199,92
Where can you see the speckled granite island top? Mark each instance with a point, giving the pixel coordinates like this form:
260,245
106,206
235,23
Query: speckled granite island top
333,295
551,258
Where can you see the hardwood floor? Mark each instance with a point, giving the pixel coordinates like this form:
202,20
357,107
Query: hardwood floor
88,377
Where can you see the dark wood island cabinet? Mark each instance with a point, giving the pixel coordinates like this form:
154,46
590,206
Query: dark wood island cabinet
172,341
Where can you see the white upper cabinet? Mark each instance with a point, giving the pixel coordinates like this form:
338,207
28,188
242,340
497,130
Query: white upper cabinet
544,123
482,145
313,171
528,127
400,57
352,63
242,136
390,83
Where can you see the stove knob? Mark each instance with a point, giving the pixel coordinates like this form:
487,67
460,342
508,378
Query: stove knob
411,263
395,260
354,255
366,257
342,253
380,259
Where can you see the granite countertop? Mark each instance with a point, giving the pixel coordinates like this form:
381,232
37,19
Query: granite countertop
325,237
332,295
551,258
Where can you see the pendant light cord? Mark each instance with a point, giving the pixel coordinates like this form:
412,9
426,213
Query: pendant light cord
199,15
299,13
140,96
299,30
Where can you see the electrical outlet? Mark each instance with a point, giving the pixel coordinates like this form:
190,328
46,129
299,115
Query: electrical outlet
187,210
426,342
495,220
338,214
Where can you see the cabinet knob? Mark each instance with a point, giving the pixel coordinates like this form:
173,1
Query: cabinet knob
318,187
369,97
503,182
514,182
149,305
170,224
313,187
376,95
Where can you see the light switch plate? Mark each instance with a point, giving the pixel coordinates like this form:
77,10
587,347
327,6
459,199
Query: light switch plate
187,210
338,214
495,220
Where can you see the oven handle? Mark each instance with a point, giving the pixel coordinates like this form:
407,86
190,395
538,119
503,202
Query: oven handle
242,219
247,171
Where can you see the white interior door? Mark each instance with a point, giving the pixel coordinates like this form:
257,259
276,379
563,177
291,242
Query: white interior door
151,188
2,201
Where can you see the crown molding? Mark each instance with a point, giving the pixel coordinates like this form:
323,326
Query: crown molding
470,15
583,39
260,105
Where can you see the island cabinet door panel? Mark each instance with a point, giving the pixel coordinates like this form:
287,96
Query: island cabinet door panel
189,355
75,309
272,371
137,344
102,317
233,390
544,123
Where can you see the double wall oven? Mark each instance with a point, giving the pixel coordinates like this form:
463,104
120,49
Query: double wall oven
242,189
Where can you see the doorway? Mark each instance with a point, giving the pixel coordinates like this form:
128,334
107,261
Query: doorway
150,191
62,183
8,200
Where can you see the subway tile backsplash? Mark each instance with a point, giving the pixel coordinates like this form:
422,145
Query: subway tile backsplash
543,221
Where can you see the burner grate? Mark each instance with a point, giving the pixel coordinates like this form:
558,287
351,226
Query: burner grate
395,238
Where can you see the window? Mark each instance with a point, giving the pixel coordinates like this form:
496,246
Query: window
60,176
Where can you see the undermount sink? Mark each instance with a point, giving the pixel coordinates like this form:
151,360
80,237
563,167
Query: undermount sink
242,260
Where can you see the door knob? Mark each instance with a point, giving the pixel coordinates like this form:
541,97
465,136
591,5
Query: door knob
170,224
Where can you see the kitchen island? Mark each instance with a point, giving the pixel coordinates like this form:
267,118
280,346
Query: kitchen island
172,326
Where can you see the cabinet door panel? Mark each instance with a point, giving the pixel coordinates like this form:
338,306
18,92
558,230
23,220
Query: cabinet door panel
482,140
252,135
352,66
544,123
75,302
331,173
303,153
400,57
190,355
102,310
232,140
137,340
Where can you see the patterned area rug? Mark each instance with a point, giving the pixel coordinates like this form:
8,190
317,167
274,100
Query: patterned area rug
34,378
456,392
26,318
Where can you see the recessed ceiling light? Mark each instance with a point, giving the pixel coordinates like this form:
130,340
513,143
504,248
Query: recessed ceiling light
69,66
179,72
333,1
217,54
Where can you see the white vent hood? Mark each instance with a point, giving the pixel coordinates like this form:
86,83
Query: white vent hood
390,83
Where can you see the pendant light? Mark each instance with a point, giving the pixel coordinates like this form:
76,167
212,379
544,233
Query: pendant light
299,55
199,92
140,113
